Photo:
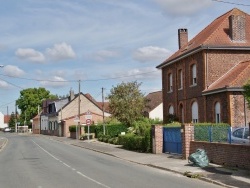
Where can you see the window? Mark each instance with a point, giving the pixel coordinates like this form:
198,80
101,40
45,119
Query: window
170,82
217,112
195,112
180,79
193,74
171,110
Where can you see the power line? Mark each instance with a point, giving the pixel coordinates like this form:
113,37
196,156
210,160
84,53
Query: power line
227,2
11,83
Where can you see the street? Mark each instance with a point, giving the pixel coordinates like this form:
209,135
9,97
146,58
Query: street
35,162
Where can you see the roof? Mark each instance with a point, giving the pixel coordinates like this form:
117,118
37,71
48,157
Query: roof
7,118
154,100
216,34
234,78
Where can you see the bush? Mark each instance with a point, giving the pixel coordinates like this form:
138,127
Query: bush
136,143
72,128
211,132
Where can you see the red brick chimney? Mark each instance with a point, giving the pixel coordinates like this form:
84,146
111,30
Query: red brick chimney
237,28
182,37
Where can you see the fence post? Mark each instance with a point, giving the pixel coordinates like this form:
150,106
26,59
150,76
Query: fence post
229,135
210,134
157,138
187,134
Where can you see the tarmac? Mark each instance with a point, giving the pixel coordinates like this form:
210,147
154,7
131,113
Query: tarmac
216,174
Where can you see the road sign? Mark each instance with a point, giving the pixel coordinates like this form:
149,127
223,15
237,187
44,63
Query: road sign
76,119
88,121
88,115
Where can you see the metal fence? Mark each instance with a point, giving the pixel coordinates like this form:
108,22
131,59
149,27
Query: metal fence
212,133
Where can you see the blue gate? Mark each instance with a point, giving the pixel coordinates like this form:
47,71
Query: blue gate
172,140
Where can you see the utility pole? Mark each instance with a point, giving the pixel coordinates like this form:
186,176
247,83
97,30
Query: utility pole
16,118
103,111
79,102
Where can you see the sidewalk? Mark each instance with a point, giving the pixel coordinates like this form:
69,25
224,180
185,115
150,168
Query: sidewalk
227,177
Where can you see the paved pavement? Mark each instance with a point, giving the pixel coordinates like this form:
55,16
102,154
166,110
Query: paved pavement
226,177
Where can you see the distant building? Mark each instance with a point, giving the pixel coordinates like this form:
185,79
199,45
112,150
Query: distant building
154,109
4,120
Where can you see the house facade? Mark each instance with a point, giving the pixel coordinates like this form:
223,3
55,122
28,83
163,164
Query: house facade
202,81
58,115
154,108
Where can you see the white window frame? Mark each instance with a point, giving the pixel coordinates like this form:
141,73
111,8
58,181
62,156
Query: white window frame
170,82
194,74
181,79
171,109
217,112
195,112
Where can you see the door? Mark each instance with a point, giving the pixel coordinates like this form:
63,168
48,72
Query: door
172,140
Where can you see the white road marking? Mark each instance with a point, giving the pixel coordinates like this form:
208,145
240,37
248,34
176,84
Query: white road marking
81,174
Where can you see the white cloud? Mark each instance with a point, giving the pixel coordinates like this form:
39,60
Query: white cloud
183,7
60,51
30,55
151,53
3,84
105,54
56,82
12,70
138,74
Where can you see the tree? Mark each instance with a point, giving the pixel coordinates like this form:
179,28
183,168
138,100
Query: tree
12,120
126,102
29,101
246,92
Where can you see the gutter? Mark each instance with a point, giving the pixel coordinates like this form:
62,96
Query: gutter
220,90
198,49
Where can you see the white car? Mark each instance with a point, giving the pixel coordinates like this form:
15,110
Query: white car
240,135
7,129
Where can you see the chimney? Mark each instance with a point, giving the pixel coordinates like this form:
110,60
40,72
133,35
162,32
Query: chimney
71,95
182,37
237,28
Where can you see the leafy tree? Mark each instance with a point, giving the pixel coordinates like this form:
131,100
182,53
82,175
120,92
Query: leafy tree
29,101
126,102
12,120
246,92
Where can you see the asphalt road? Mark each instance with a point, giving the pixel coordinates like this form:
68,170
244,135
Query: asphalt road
36,162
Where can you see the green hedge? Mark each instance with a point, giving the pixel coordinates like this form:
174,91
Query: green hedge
72,128
211,132
136,143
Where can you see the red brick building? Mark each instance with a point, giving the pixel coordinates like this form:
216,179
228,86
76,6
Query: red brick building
202,81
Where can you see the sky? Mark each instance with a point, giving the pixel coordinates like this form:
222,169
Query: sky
55,43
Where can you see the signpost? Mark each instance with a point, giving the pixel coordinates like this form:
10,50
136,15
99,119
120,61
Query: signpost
88,118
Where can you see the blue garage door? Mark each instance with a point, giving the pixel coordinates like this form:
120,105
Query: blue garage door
172,140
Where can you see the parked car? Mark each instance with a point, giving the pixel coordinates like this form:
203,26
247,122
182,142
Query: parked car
7,129
240,135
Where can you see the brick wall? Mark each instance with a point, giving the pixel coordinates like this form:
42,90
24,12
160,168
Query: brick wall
225,154
219,153
157,139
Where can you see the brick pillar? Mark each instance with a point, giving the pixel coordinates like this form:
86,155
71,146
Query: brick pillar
157,139
187,134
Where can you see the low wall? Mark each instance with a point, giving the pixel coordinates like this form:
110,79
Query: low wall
225,154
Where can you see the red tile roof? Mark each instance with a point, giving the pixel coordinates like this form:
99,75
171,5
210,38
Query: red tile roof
216,34
235,78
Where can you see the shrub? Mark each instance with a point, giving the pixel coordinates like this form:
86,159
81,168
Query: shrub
72,128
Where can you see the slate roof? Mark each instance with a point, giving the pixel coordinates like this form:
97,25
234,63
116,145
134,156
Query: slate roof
215,35
154,100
